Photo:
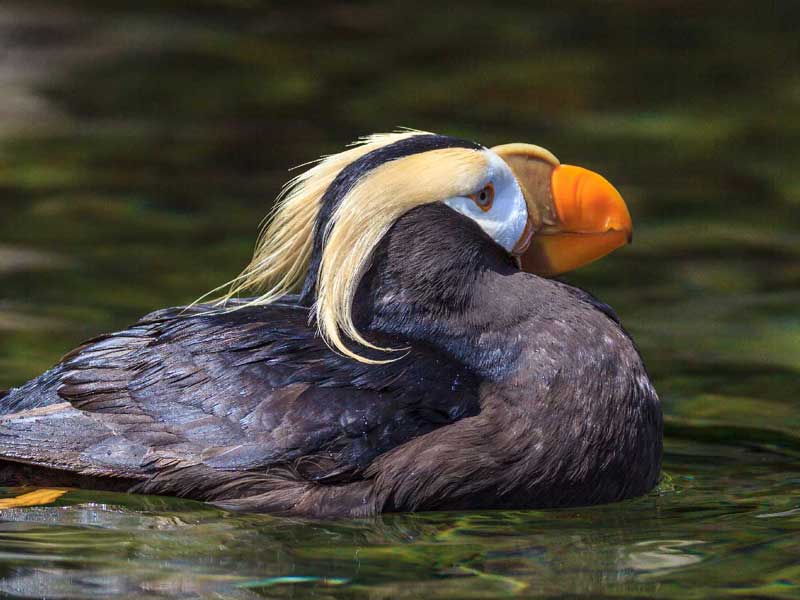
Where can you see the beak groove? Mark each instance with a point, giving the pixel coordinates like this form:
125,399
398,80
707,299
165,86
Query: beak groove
525,239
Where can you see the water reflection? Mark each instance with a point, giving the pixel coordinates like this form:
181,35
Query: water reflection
142,546
436,554
661,555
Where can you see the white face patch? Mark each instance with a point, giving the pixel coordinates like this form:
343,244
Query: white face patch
505,219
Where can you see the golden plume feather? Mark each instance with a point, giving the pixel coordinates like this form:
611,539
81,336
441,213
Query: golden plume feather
365,215
283,251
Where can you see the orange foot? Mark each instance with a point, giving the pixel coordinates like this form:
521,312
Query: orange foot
35,498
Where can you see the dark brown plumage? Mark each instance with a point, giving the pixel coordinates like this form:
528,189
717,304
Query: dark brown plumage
514,391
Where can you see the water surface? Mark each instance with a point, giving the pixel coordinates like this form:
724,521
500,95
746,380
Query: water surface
142,143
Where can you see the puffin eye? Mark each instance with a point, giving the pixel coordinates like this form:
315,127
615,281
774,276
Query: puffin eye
485,198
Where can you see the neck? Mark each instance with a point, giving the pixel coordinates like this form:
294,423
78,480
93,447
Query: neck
438,280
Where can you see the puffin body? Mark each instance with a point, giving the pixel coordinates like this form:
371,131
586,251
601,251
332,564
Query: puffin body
399,360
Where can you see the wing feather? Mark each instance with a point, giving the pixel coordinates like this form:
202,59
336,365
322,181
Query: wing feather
232,395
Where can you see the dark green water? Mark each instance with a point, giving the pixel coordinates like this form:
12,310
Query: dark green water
140,146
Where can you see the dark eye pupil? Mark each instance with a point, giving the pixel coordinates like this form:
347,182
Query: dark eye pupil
484,197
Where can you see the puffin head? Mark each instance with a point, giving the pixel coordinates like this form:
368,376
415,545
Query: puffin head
549,218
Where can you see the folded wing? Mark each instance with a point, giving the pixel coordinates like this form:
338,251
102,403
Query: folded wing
204,404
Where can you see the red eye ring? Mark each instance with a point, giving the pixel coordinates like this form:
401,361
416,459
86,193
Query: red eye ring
485,198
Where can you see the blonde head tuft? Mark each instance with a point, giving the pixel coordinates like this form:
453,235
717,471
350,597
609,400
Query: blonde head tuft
358,223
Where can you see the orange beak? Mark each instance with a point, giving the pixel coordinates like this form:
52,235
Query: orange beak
575,216
591,220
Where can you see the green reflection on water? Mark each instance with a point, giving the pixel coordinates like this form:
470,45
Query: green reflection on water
140,145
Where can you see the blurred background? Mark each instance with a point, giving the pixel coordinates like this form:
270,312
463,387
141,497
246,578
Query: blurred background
141,143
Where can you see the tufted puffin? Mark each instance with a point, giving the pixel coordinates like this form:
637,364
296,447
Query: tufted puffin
401,349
